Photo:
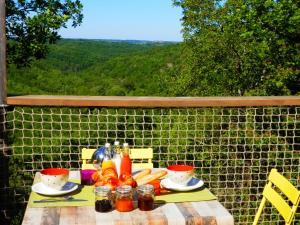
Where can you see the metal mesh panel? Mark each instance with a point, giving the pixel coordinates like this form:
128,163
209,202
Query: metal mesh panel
233,149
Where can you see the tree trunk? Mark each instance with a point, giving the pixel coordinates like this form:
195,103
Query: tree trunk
4,211
3,83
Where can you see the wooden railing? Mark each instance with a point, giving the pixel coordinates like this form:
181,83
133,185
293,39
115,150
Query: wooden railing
149,102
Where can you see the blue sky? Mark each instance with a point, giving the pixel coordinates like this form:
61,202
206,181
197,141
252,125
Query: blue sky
155,20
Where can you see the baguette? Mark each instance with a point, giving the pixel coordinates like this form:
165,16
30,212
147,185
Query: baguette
141,174
151,177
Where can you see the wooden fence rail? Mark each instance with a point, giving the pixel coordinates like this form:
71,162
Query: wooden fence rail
150,102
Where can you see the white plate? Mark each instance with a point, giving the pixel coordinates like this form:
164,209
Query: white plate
42,189
193,184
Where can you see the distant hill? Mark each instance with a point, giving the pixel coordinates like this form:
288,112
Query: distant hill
98,67
142,42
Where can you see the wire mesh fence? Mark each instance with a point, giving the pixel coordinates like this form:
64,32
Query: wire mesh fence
232,149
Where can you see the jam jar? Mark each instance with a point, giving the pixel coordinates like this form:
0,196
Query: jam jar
124,198
145,197
103,199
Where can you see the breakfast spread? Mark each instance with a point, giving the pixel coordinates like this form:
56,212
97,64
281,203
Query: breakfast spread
115,186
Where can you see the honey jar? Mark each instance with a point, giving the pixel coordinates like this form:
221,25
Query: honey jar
145,197
124,198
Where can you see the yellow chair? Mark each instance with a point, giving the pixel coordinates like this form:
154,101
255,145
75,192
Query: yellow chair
141,158
278,182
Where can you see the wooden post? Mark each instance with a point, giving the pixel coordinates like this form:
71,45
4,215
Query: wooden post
3,83
3,94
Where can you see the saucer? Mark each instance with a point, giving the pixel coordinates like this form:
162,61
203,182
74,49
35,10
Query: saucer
193,184
42,189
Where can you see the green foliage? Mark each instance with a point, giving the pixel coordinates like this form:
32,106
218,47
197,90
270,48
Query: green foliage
33,25
240,48
81,67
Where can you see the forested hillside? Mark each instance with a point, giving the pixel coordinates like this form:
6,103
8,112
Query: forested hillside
230,48
240,48
94,67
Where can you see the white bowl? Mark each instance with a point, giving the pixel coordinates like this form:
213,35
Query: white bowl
180,174
54,178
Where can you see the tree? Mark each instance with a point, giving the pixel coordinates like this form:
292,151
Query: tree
31,25
240,47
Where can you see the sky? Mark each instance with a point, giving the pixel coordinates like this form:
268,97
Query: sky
155,20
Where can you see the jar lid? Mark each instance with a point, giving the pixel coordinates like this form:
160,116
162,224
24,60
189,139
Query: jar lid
102,189
145,188
124,189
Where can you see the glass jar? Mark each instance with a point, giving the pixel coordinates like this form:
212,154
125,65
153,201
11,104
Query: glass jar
103,199
145,197
124,198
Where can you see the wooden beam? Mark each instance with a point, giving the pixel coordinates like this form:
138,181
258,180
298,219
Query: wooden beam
3,81
152,102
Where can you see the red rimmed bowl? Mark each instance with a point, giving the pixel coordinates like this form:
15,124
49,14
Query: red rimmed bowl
180,174
54,178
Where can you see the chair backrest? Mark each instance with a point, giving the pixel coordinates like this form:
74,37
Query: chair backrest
276,183
141,158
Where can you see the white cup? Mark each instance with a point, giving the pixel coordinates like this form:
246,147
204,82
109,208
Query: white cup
54,178
180,174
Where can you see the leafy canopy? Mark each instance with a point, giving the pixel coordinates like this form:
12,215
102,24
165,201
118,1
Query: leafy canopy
240,47
31,25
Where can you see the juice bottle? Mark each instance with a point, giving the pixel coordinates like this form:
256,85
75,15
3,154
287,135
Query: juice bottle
117,156
107,161
125,168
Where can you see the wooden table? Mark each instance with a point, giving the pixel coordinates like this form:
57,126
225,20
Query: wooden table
200,213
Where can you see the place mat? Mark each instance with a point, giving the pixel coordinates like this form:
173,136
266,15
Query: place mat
187,196
83,192
87,192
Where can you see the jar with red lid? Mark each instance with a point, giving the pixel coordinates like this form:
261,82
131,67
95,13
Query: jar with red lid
124,198
145,197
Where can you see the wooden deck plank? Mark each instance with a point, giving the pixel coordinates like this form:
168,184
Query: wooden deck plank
222,215
33,216
198,213
170,210
86,215
103,218
202,208
190,215
50,216
138,217
157,217
68,215
121,218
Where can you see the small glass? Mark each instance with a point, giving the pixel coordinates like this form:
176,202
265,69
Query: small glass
86,177
145,197
124,198
103,199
